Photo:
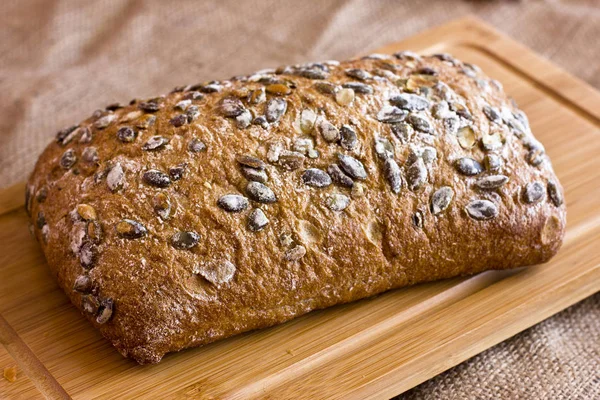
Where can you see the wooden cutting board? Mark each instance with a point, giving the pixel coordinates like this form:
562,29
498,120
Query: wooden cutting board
374,348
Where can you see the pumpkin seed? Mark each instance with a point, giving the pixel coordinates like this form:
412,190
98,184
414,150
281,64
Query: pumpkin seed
93,230
257,220
87,212
466,137
233,202
145,121
481,210
491,142
316,178
441,199
130,229
278,89
325,87
218,272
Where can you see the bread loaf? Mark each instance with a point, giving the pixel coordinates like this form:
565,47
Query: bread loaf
234,205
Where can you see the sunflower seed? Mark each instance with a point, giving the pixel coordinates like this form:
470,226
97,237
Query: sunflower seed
493,162
391,114
445,57
114,178
353,167
348,138
162,205
156,178
149,106
357,87
179,120
337,202
218,272
145,121
419,123
392,174
243,120
231,107
426,71
481,210
93,230
183,104
105,311
311,72
492,114
184,240
88,255
275,108
251,161
68,159
196,145
291,160
295,253
257,220
87,212
130,229
325,87
316,177
338,176
429,155
491,142
233,202
253,174
441,199
260,192
90,304
41,220
359,74
344,97
410,102
303,145
194,95
329,132
416,174
258,96
42,194
491,182
417,219
86,135
441,110
534,192
126,134
104,121
468,166
535,157
261,121
383,148
407,55
155,143
83,284
64,136
555,194
90,155
176,173
403,131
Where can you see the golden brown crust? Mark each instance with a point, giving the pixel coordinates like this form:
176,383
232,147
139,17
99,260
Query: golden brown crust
138,232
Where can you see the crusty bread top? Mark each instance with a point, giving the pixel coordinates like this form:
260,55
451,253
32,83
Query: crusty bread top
177,220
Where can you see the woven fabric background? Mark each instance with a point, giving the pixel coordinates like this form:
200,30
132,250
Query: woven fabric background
62,59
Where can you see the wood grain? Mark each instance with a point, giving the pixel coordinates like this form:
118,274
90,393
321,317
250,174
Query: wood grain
375,348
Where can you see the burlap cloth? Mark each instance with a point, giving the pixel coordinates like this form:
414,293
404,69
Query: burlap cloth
60,60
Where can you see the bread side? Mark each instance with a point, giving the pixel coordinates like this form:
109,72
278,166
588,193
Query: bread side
234,205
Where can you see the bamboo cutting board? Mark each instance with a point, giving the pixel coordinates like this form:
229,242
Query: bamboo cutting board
374,348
